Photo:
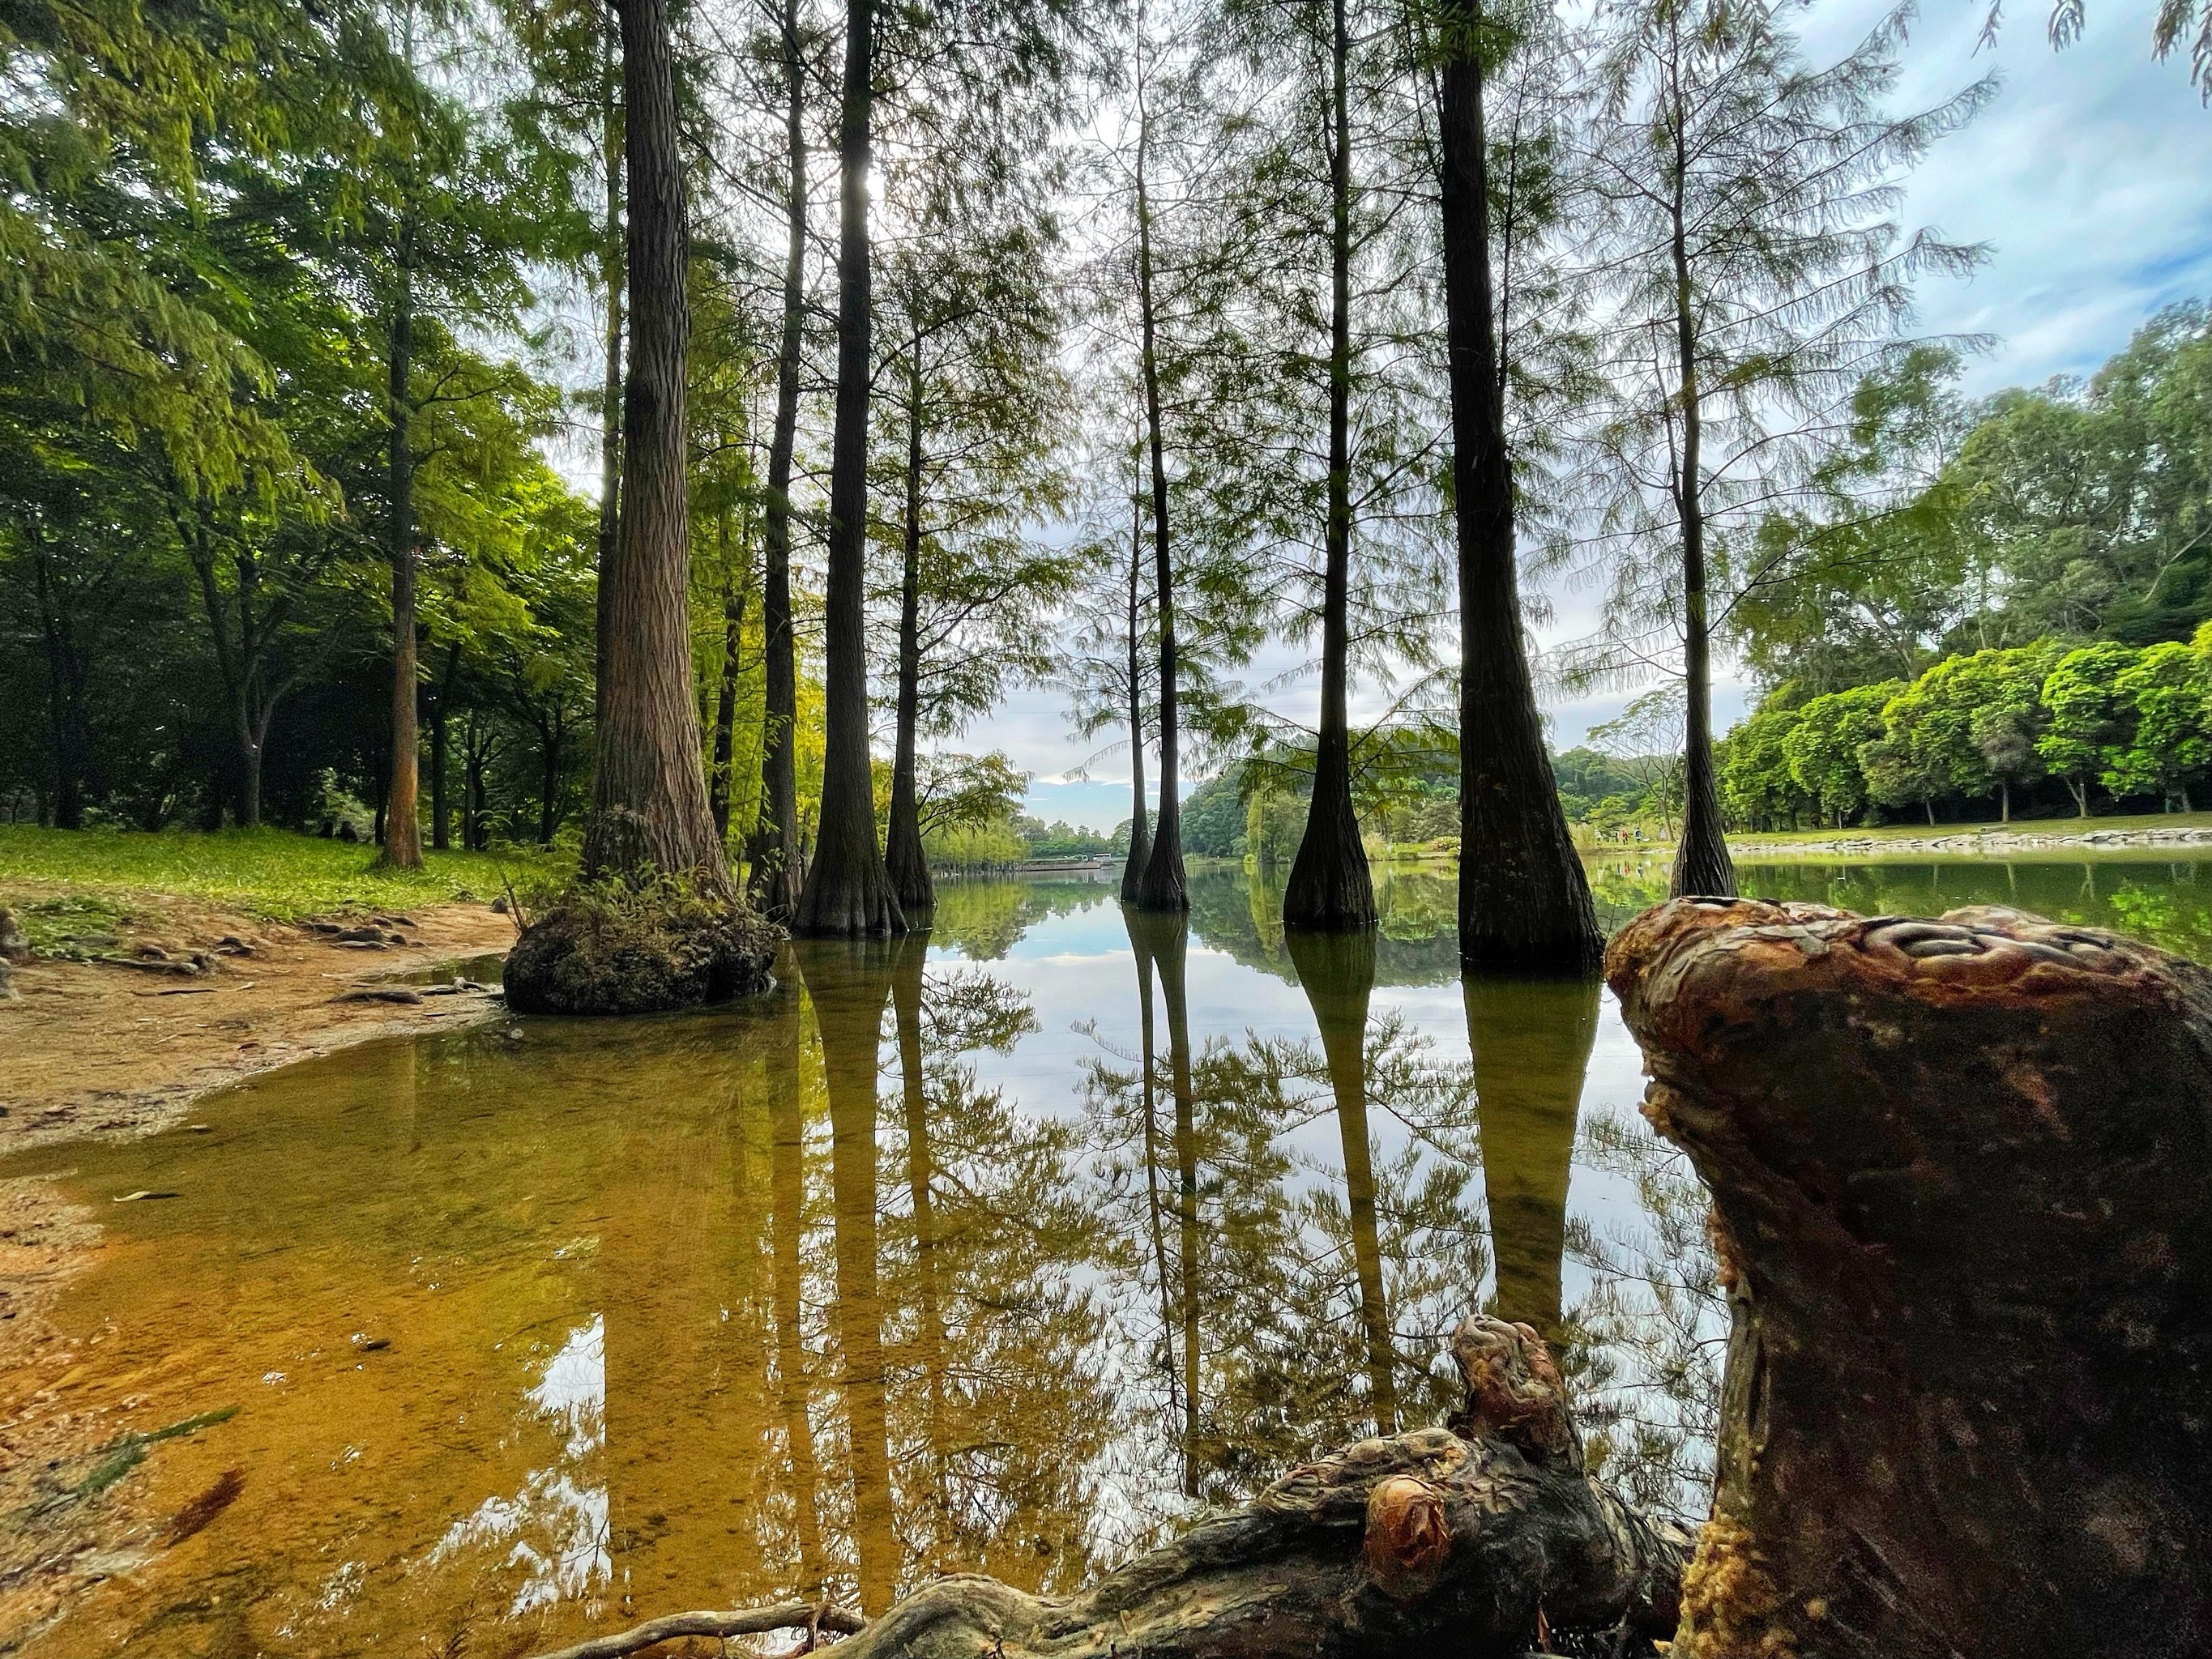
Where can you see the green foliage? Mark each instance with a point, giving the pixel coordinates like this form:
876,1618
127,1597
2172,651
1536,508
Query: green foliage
1823,749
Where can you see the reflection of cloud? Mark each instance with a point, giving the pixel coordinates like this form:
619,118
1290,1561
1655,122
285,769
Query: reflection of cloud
558,1521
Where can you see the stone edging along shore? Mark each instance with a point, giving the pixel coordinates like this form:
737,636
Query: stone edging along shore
1984,841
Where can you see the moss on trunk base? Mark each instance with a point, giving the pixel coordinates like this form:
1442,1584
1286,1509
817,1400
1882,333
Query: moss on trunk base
613,949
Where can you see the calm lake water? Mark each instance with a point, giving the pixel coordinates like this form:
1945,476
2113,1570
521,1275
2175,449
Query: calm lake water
1007,1248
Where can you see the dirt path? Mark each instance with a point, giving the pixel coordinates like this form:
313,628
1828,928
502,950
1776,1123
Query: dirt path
97,1048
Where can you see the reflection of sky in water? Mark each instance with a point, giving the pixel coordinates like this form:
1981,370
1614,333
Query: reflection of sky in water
580,1244
557,1525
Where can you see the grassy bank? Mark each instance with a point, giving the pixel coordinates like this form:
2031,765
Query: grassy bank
268,873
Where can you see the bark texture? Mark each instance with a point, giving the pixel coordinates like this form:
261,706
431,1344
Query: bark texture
1961,1172
649,813
1457,1540
1523,900
403,835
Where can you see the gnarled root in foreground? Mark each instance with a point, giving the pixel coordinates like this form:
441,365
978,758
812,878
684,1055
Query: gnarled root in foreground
1961,1169
1425,1542
1422,1542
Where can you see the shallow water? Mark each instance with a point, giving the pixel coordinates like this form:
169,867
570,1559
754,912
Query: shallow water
1003,1249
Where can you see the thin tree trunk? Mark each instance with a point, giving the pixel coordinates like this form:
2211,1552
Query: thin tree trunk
441,817
549,807
1140,833
772,850
848,891
65,689
649,813
610,378
1701,857
1164,886
1338,975
1523,900
732,637
1330,886
403,831
904,862
2004,802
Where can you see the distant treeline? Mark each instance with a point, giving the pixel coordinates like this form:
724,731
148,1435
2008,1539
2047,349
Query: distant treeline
2031,729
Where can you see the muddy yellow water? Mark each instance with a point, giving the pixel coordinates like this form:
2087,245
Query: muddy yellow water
1008,1248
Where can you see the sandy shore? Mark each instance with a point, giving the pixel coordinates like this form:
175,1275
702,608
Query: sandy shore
90,1049
97,1048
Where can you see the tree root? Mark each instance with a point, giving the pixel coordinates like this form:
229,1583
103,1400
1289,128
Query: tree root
808,1616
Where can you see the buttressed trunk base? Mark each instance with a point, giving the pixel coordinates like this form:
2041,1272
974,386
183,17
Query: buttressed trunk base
1960,1171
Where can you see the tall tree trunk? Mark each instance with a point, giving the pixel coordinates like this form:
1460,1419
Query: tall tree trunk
1523,900
1337,974
1140,832
403,828
1330,886
1164,886
610,374
649,813
903,860
772,850
848,891
1701,857
1530,1042
440,817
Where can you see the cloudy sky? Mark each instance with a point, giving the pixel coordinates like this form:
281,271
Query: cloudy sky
2089,177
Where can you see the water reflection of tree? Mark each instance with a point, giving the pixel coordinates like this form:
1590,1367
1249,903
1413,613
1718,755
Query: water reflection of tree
984,920
1647,1339
1530,1042
1289,1300
1003,1416
969,1411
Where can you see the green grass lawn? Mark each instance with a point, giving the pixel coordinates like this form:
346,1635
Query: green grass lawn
274,874
2069,826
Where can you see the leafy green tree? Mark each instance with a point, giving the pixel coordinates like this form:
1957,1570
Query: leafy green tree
1758,277
2168,722
1825,749
1758,787
2087,716
1971,723
978,408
